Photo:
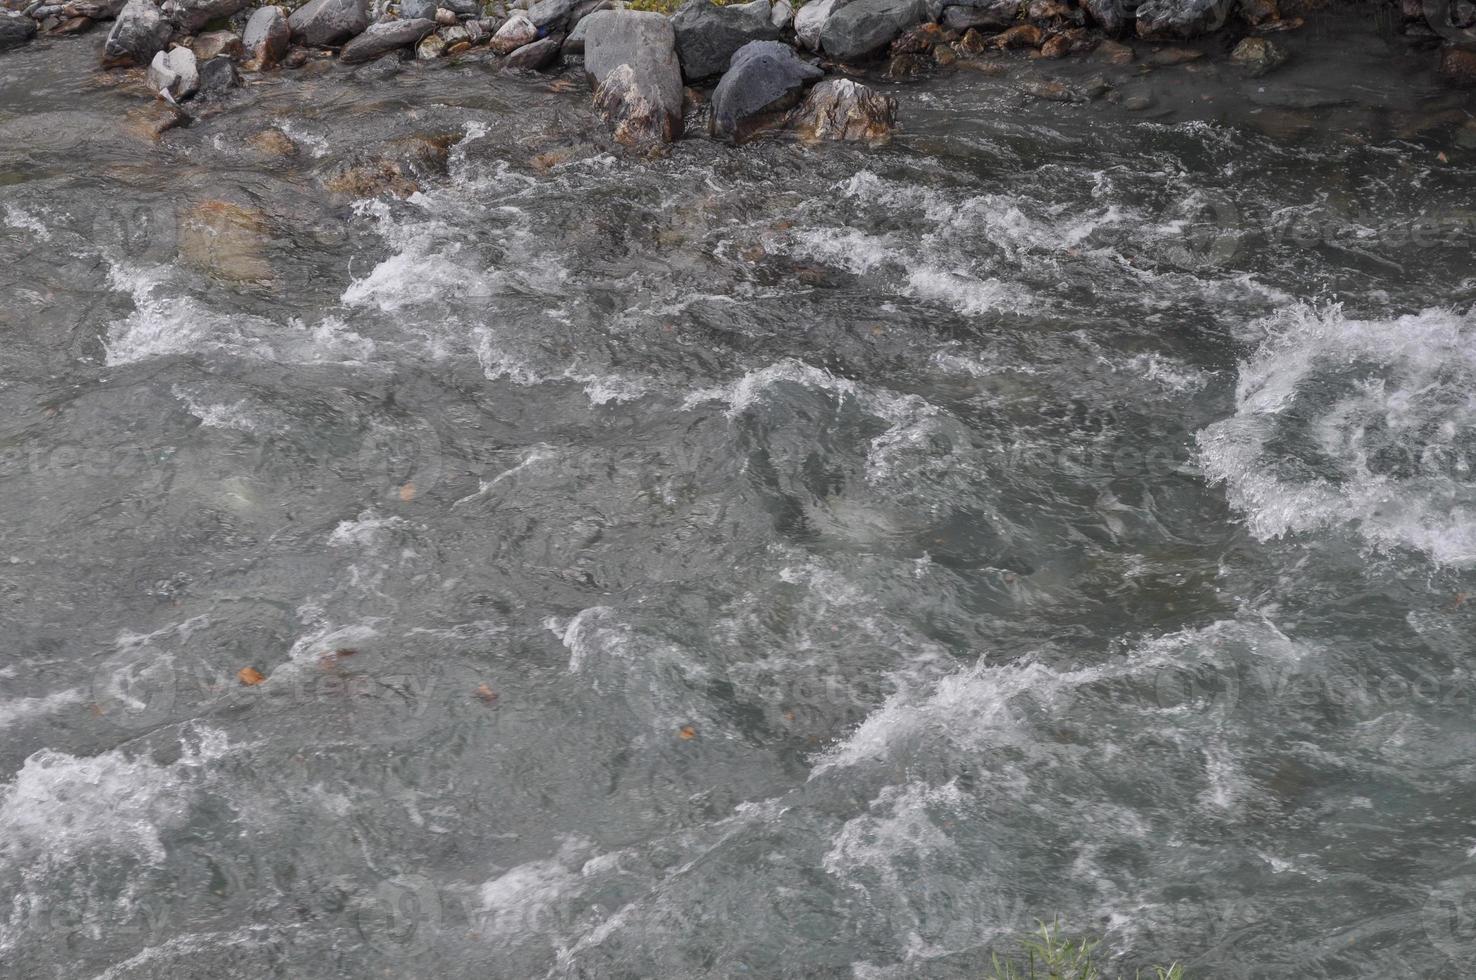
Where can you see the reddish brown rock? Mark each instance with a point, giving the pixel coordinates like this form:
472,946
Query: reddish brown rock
840,109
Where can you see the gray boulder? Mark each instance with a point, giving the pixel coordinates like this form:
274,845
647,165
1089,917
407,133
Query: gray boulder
631,59
811,18
532,57
217,77
175,75
462,8
15,30
550,14
764,77
707,35
323,23
994,16
863,27
417,9
139,33
382,38
517,31
1113,16
191,15
1181,18
266,38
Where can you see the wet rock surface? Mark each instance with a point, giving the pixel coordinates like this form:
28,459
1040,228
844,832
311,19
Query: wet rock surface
140,32
842,109
864,27
707,34
764,77
631,59
382,38
328,22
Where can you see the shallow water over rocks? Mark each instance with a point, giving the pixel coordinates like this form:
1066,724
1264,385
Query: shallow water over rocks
779,561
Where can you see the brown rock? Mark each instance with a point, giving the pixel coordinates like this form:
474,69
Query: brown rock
1258,55
1256,12
214,43
1019,36
459,48
296,57
907,65
1168,57
991,68
971,43
272,142
944,56
372,179
1051,91
155,119
922,38
1458,66
840,109
1113,53
225,240
1056,46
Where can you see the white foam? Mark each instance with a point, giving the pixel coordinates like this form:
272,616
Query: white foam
26,221
24,709
1348,389
60,806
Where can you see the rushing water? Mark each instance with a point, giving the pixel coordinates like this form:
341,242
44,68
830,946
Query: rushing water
772,562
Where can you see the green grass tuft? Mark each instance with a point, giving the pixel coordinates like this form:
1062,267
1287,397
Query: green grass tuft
1050,956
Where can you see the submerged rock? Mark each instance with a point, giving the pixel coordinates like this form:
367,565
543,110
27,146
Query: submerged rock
765,77
840,109
382,38
1181,18
139,33
266,38
225,240
15,30
174,74
324,23
707,34
191,15
631,58
864,27
1258,55
1458,66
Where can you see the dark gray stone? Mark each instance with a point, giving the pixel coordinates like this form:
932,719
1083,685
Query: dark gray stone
15,30
191,15
266,38
217,77
382,38
550,14
463,8
987,14
531,57
707,35
763,77
322,23
864,27
1181,18
139,33
417,9
631,58
1113,16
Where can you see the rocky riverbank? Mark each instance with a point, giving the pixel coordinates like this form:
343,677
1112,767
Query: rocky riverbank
749,67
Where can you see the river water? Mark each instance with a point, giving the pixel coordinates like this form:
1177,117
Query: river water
768,562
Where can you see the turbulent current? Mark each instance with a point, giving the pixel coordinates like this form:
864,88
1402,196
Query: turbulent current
780,561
